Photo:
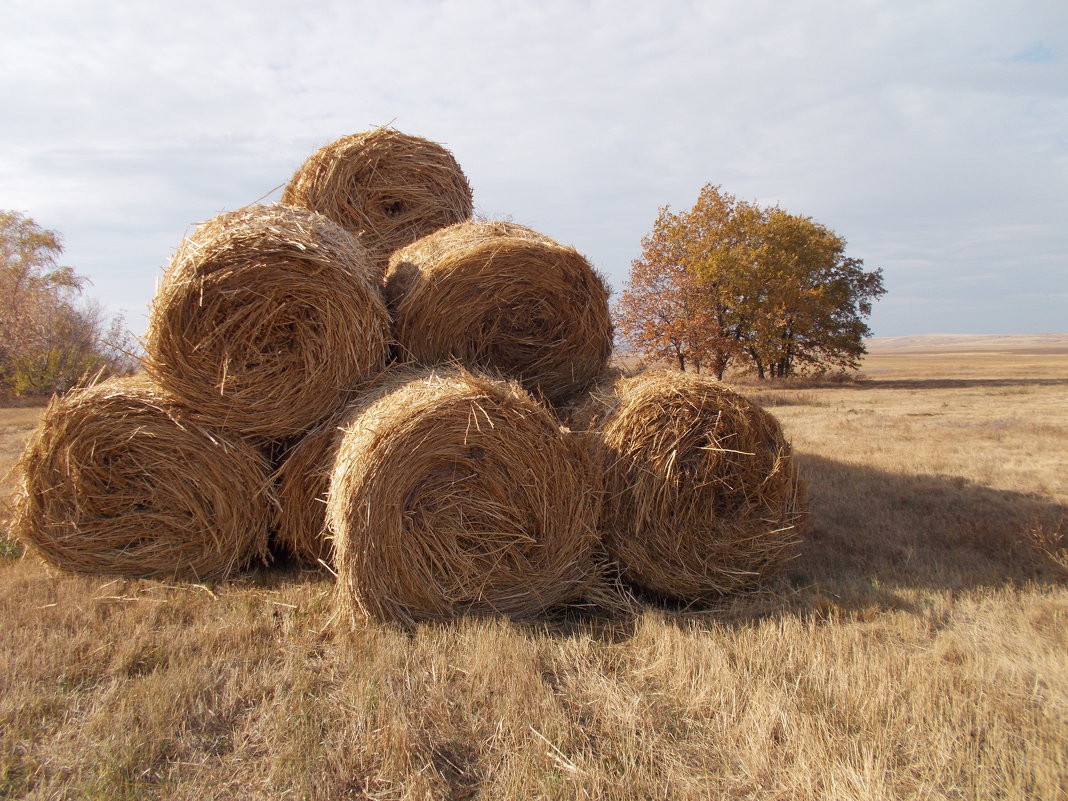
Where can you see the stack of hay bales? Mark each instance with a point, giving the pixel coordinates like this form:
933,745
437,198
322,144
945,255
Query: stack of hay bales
409,371
267,320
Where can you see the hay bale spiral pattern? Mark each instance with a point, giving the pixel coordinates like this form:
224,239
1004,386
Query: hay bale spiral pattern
501,297
457,494
703,496
386,187
266,320
119,479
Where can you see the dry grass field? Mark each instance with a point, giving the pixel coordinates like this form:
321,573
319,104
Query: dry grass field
917,648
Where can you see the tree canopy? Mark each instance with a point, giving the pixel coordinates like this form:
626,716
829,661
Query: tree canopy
731,283
49,335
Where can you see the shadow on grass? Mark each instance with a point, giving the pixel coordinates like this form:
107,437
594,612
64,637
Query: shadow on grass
875,540
877,537
922,531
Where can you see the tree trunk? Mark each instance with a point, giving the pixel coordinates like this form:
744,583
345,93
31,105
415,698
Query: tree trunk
785,363
758,362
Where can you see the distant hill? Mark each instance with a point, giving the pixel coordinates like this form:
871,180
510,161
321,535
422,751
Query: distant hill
956,343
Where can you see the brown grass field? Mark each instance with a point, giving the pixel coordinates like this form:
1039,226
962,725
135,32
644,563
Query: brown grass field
917,648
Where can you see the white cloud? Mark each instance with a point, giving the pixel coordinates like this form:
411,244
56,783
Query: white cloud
931,135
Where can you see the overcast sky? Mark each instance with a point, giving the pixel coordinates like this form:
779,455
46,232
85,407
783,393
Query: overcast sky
932,135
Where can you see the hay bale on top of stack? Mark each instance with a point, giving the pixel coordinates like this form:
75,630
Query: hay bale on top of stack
454,493
119,478
267,320
702,495
386,187
499,296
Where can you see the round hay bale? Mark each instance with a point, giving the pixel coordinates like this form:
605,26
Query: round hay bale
456,494
387,187
302,482
120,479
499,296
266,320
702,494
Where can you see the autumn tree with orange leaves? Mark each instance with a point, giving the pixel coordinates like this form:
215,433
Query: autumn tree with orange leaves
50,338
663,312
729,283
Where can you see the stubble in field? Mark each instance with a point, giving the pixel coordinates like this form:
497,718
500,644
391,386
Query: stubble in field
916,648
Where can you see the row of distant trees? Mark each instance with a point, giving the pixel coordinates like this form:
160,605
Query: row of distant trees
731,284
51,336
725,284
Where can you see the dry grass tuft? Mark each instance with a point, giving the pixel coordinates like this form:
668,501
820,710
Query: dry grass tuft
703,496
457,494
387,187
266,320
1050,539
119,479
499,296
